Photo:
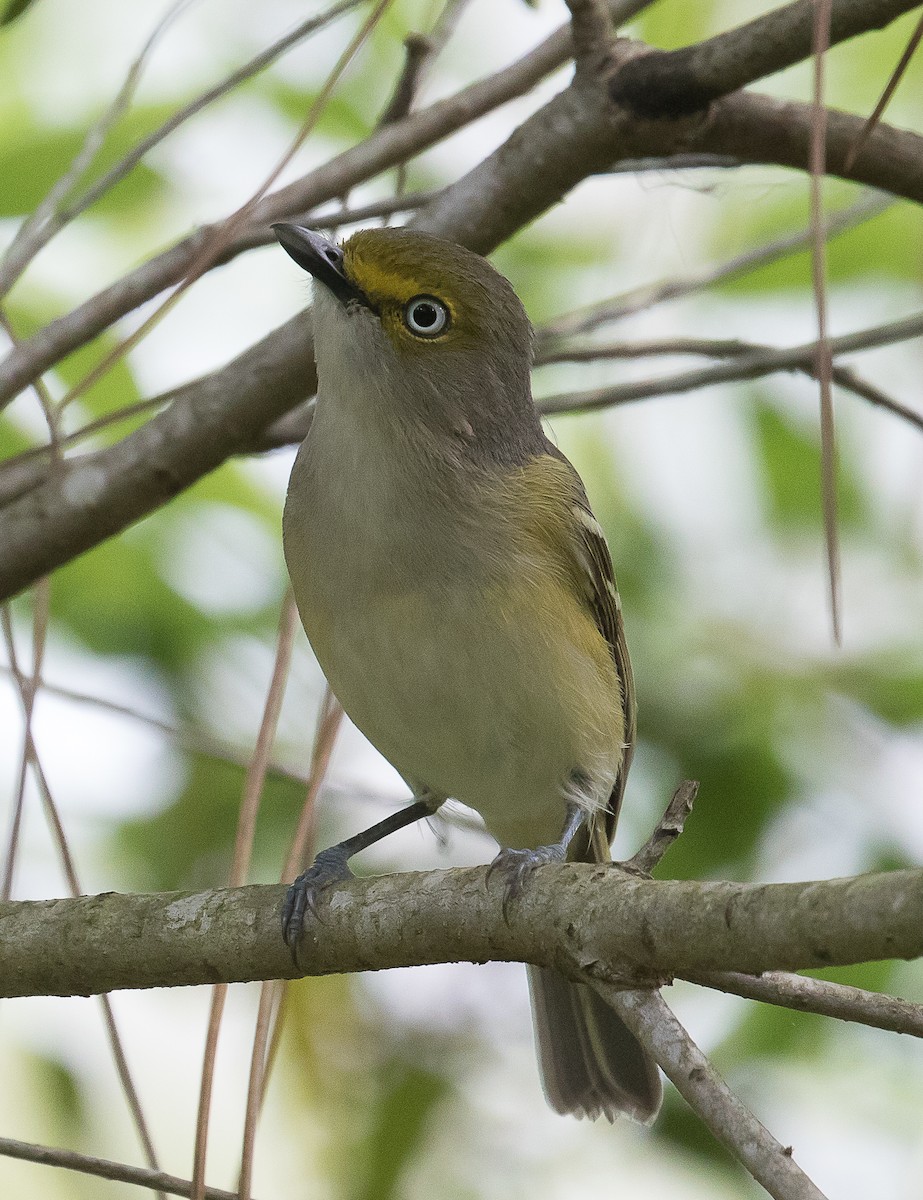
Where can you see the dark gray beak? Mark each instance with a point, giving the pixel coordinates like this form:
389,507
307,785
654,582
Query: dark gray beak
320,257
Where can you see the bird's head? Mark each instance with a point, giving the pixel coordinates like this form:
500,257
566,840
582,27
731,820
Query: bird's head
424,327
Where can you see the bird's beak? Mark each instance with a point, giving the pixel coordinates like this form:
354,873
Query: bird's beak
322,258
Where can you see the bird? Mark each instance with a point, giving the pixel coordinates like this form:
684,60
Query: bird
458,594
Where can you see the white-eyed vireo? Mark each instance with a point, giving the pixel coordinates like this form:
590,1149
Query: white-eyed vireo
458,593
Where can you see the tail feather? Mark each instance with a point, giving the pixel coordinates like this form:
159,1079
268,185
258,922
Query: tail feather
591,1064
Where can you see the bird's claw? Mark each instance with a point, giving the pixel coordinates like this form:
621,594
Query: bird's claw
515,867
328,868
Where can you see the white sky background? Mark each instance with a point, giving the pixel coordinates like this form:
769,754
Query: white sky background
495,1137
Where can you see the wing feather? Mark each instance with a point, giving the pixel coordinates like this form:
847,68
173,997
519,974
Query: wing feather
592,554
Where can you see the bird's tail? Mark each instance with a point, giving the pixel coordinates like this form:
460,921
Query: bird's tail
590,1062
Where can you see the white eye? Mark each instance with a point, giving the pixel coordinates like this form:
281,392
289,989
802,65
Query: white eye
426,316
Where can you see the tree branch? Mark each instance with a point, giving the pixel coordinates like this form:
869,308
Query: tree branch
741,366
675,83
669,828
651,1021
570,917
576,134
103,1168
388,146
820,996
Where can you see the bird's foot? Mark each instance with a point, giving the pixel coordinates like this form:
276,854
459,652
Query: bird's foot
328,868
515,867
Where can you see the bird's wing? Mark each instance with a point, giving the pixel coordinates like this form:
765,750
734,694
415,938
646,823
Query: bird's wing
595,562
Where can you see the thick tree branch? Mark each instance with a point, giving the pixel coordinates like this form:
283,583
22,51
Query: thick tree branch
761,129
575,135
388,146
575,917
676,83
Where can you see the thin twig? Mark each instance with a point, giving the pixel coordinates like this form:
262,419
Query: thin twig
198,741
38,229
649,1018
824,361
212,248
820,996
750,366
70,1160
846,377
40,606
890,88
256,64
420,53
639,299
53,818
417,48
243,847
669,828
592,34
272,992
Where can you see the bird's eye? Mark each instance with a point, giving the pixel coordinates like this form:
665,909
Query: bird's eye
426,316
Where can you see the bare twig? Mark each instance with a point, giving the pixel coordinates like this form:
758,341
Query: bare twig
272,991
820,996
592,34
891,87
243,847
649,1018
56,826
820,42
846,377
417,47
70,1160
420,52
749,366
256,64
639,299
198,741
28,688
38,229
668,829
386,148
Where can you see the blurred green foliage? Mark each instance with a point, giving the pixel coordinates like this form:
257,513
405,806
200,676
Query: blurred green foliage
731,728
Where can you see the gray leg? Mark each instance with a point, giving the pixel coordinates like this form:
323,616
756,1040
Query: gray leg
331,867
517,865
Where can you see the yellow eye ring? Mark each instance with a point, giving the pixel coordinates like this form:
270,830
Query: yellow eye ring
425,316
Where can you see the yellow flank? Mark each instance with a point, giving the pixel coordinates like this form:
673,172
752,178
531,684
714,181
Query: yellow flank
542,495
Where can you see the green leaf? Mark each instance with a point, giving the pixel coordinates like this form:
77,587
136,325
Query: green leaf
791,472
409,1096
190,843
33,158
681,1134
13,10
890,685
